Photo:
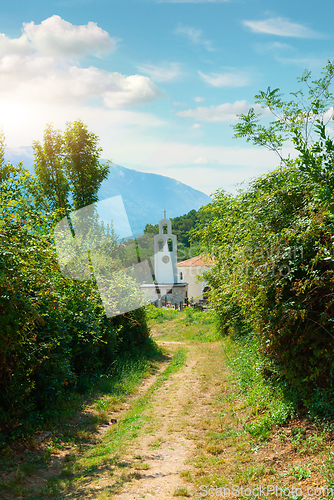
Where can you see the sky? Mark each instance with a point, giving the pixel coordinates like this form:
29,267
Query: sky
161,82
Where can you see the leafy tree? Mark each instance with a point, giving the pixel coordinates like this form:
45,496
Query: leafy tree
6,169
152,228
302,120
82,165
2,148
67,166
49,168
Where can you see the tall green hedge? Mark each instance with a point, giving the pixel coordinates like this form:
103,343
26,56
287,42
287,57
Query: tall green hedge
273,243
54,334
273,275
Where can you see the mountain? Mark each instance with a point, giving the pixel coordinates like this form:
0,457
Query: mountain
144,195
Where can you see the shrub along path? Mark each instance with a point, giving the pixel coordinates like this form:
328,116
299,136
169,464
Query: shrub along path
188,429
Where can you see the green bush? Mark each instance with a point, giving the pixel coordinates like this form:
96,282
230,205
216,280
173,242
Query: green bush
298,327
273,277
54,335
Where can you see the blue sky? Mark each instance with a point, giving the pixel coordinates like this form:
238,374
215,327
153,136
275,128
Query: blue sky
160,82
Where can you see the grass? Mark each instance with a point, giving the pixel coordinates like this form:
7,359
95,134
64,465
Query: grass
300,473
189,325
159,315
253,432
267,404
181,492
141,466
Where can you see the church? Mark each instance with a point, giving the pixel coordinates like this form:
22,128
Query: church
167,287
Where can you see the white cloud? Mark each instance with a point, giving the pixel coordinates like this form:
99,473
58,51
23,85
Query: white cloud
328,116
42,79
163,72
312,63
208,180
57,37
173,153
281,27
272,46
236,79
38,88
330,131
226,112
199,99
177,103
203,167
14,45
132,90
196,125
195,36
31,69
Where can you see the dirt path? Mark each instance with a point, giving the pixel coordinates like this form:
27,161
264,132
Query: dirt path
168,442
145,455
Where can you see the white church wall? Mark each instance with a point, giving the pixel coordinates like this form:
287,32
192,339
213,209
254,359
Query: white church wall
190,275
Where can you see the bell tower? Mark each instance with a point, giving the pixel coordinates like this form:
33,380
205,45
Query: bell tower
165,253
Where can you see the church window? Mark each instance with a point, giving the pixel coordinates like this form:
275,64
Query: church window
181,276
164,229
160,245
170,244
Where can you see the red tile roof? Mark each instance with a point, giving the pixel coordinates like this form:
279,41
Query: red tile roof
200,260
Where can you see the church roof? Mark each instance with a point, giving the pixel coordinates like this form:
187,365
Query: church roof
200,260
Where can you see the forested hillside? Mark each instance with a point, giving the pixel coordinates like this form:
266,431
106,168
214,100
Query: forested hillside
183,227
142,248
